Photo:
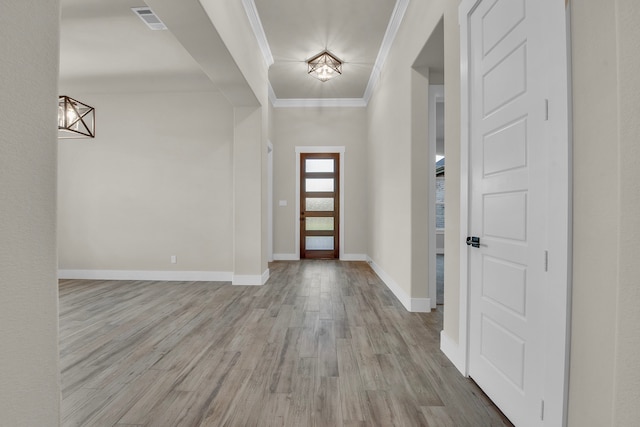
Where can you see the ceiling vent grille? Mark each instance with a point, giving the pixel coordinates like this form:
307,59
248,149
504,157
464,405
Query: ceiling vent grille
149,18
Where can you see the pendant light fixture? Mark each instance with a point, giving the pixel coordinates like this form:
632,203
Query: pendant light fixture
324,66
75,119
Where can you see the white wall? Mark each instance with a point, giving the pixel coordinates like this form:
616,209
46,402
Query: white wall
29,387
156,181
595,213
421,216
247,186
626,410
394,131
231,22
604,387
316,127
452,237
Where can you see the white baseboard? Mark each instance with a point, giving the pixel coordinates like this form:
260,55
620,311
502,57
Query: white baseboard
286,257
451,349
354,257
345,257
250,279
420,305
182,276
416,305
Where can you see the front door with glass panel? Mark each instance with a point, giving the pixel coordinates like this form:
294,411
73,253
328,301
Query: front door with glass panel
319,199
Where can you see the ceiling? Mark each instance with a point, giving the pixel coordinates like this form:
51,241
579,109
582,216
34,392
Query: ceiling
297,30
104,46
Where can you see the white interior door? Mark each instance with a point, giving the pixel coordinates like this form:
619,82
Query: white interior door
507,205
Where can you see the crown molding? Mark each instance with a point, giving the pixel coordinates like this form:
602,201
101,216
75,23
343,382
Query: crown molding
258,30
318,102
389,36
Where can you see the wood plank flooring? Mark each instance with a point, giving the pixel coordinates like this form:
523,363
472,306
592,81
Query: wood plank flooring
323,343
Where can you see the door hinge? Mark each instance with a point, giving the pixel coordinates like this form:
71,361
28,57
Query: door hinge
542,410
546,260
546,110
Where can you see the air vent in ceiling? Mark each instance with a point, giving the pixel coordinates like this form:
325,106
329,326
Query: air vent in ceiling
149,18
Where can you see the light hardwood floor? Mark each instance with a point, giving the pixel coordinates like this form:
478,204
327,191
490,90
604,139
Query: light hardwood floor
323,343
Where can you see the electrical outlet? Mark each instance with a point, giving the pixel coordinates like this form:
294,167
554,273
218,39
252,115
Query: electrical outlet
174,259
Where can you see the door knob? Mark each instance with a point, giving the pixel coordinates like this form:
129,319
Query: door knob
473,241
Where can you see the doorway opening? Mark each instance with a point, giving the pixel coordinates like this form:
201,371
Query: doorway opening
437,199
430,64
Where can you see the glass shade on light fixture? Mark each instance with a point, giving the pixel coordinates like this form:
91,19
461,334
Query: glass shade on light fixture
75,119
324,66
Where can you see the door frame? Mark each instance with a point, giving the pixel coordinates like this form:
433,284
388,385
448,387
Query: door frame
269,201
341,231
436,94
558,286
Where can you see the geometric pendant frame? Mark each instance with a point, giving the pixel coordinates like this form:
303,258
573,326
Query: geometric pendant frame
75,119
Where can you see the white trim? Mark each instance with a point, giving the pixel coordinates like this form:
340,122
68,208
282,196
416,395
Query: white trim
272,95
440,251
321,149
462,358
436,94
250,279
420,305
258,30
557,331
318,102
414,305
286,257
182,276
344,257
450,349
269,201
389,36
354,257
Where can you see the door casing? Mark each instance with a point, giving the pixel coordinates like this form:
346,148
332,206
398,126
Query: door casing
269,201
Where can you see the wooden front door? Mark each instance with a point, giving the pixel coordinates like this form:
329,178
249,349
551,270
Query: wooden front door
319,205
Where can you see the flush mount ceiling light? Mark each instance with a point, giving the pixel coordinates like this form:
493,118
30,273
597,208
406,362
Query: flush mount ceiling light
324,66
75,119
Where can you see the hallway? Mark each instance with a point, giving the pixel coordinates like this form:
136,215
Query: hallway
323,343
